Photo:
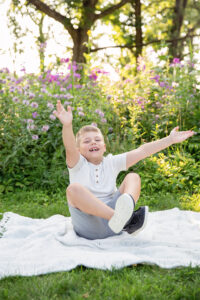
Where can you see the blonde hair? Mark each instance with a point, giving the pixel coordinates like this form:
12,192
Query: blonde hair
86,128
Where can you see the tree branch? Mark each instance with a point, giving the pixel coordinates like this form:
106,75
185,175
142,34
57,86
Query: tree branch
145,44
111,9
52,14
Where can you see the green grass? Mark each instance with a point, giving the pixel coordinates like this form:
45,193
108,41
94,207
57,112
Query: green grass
134,282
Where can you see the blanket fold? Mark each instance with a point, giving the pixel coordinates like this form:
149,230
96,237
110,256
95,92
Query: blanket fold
40,246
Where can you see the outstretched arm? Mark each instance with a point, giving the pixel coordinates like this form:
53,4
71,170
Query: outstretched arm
153,147
66,117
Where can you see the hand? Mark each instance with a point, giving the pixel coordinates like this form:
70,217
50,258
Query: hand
180,136
64,116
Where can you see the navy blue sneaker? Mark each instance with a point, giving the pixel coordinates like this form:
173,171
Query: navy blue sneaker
138,221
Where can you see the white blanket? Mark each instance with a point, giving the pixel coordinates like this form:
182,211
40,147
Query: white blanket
39,246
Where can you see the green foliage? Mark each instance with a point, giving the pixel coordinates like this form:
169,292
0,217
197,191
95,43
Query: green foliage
32,153
137,109
157,99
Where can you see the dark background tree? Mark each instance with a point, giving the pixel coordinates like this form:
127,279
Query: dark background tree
79,19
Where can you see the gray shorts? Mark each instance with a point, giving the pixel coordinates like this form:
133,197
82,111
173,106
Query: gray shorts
92,227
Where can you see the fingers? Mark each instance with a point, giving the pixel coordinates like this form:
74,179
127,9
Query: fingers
59,106
55,113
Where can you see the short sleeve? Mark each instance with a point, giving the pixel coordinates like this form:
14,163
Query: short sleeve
118,162
78,166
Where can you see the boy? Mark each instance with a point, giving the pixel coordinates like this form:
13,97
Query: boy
97,208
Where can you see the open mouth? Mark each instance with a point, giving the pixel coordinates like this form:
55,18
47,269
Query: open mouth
94,150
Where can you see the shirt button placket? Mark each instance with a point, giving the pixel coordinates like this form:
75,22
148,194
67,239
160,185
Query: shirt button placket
97,175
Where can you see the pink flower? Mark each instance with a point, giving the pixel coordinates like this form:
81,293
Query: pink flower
103,120
15,99
101,114
50,105
34,105
34,137
79,108
77,75
45,128
64,60
34,114
30,127
93,76
52,117
176,60
26,102
67,103
162,84
94,124
69,86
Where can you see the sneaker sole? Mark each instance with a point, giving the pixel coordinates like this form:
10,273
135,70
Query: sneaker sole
145,221
123,212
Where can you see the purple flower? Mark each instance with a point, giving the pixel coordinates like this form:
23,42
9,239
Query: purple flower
15,99
30,127
94,124
50,105
31,95
52,117
30,121
34,114
68,96
34,105
80,113
78,86
62,89
162,84
156,78
77,75
26,102
34,137
176,60
64,60
67,103
45,128
69,86
79,108
101,114
93,76
103,120
12,89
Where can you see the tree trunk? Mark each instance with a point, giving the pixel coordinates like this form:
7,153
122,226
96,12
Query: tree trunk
80,40
138,28
175,47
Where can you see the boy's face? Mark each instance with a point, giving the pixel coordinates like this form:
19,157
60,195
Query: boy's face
92,146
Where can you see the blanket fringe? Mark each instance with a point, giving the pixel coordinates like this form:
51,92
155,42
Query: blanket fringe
3,222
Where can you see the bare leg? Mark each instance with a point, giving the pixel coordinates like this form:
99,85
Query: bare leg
131,185
80,197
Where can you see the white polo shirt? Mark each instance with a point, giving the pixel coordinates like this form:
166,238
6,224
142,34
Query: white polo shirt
99,179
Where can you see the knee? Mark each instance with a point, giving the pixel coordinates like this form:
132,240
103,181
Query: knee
72,189
134,177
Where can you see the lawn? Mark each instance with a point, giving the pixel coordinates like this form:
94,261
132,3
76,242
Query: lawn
134,282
